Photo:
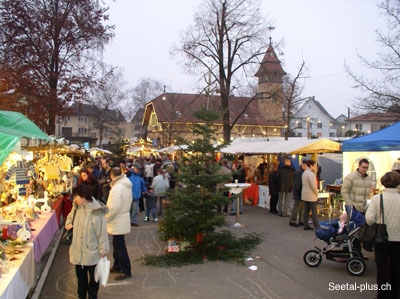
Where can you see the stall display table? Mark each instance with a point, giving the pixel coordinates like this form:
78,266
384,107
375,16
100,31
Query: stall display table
263,196
18,282
251,193
21,277
44,230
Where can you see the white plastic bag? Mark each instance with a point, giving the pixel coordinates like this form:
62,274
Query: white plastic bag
102,271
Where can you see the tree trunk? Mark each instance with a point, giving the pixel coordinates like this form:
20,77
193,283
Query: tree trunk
225,117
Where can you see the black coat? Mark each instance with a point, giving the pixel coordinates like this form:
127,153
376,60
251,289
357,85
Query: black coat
240,175
286,176
297,183
273,182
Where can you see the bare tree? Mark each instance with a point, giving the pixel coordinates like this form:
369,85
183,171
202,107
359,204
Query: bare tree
107,97
292,96
227,37
46,53
383,95
144,92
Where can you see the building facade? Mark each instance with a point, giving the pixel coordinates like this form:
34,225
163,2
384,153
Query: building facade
312,120
371,122
83,125
170,114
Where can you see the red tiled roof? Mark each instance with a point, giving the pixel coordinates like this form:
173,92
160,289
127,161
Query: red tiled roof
387,116
179,107
270,64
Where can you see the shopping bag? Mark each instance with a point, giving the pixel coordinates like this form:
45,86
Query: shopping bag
102,271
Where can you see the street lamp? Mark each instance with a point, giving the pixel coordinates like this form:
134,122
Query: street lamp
308,127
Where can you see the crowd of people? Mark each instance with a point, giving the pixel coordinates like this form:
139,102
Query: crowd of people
109,196
294,190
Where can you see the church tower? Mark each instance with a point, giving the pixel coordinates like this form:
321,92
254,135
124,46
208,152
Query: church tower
270,74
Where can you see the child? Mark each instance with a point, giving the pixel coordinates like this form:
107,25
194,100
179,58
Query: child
151,204
89,240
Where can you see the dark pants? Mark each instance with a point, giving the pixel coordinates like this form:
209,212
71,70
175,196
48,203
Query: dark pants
310,205
273,202
388,270
120,255
225,210
90,287
297,210
141,204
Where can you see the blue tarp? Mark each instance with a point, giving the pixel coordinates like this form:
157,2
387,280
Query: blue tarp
387,139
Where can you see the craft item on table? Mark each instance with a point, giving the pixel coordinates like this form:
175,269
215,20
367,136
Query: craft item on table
13,230
173,246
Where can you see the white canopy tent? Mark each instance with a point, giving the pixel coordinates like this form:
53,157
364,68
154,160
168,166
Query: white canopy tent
171,149
95,150
276,145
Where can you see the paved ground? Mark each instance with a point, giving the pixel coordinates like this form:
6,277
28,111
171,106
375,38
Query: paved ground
281,271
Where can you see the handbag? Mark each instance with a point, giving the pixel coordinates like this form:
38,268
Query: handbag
67,236
381,237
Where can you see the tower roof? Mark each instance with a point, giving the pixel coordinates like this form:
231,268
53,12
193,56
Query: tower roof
270,63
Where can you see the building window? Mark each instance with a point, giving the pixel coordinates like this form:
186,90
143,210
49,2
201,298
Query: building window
310,125
331,134
153,120
65,118
319,135
319,125
82,118
82,130
299,125
359,127
299,134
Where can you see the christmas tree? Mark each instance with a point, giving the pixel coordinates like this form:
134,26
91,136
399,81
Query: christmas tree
192,208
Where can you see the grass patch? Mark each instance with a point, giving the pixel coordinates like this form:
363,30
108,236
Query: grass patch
221,246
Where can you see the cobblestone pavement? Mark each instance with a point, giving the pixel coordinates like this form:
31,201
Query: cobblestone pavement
281,272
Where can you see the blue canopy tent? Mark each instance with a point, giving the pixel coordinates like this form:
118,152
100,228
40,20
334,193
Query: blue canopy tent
381,148
387,139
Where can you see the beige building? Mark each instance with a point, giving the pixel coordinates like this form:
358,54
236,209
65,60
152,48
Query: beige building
84,125
170,114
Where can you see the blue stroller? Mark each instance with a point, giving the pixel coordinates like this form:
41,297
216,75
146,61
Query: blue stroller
354,228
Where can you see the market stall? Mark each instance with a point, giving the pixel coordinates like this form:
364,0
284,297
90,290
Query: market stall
381,148
258,153
27,184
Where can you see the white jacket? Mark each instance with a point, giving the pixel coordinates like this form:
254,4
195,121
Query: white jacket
391,209
119,204
160,185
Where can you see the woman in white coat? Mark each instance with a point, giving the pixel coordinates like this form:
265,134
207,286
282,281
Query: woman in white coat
387,257
309,193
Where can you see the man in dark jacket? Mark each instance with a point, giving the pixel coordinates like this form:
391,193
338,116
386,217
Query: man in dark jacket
239,174
105,179
286,175
298,204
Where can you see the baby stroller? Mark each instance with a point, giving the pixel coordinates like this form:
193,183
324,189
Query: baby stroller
354,228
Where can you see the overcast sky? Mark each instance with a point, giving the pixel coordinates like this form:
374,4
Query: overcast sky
325,33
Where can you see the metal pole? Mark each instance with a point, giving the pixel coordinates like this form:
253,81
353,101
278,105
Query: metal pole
237,210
